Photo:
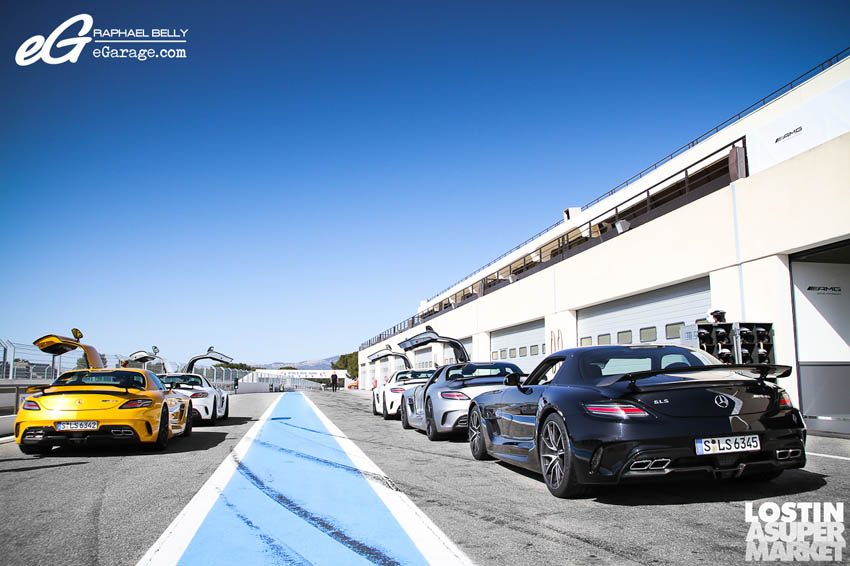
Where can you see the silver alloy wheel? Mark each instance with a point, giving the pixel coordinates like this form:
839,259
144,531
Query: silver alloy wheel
552,454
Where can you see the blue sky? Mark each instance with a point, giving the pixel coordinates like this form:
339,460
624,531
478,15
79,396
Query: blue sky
313,170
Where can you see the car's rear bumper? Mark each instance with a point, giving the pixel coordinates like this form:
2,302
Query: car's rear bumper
676,458
43,431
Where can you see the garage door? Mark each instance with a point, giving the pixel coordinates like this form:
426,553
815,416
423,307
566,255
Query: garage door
655,316
522,345
422,359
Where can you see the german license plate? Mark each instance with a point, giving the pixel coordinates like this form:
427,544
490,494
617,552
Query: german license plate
726,444
77,425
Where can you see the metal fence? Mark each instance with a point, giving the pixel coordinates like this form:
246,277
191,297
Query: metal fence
19,360
280,382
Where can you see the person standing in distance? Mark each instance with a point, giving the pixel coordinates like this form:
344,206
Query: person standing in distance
333,381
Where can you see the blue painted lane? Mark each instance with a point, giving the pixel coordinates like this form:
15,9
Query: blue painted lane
296,498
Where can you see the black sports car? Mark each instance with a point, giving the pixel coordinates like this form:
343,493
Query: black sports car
606,414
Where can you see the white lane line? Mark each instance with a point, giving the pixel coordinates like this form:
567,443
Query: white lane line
171,545
828,456
434,545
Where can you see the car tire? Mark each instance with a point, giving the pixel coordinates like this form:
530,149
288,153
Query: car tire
35,449
556,459
405,424
430,425
477,443
374,408
226,408
384,412
188,430
162,434
214,413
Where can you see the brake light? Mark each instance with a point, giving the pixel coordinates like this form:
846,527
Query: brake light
200,395
136,404
30,405
454,395
398,389
616,410
785,400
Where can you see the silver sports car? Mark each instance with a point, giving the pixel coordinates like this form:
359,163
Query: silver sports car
441,404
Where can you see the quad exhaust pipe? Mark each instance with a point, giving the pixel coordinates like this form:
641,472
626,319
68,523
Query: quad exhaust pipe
787,454
122,432
652,465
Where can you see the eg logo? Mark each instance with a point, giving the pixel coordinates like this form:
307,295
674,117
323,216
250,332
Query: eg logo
37,47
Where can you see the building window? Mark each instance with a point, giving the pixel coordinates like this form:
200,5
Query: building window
503,354
603,339
586,341
512,353
702,321
523,352
674,330
624,337
494,355
648,334
535,350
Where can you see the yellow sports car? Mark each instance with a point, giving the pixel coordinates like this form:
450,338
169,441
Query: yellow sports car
99,404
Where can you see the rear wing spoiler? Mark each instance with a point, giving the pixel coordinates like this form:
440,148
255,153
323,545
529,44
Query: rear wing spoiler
56,345
381,354
211,354
428,337
763,370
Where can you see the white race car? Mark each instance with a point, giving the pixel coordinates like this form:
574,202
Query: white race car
390,395
209,403
378,395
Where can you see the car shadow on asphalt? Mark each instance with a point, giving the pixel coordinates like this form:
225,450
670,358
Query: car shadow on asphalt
791,482
33,468
199,441
676,492
230,421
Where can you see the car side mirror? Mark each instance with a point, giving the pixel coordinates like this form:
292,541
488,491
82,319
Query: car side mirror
512,379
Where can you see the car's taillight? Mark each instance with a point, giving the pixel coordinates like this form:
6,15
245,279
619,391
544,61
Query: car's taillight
454,395
616,410
200,395
785,400
136,404
30,405
398,390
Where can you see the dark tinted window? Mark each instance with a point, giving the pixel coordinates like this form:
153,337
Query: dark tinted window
187,379
155,380
414,374
118,378
475,371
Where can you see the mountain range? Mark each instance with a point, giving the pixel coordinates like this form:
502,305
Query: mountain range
324,363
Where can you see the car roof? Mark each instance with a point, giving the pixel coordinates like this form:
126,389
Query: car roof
621,347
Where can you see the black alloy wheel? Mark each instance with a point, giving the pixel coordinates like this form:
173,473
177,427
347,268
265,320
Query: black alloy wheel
188,430
556,458
477,445
214,414
384,412
430,426
162,434
405,424
374,408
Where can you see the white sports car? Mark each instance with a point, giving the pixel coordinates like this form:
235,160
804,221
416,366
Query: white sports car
378,392
209,403
388,396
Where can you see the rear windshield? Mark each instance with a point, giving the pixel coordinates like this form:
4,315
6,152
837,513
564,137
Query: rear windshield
475,371
181,380
413,374
603,362
118,378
